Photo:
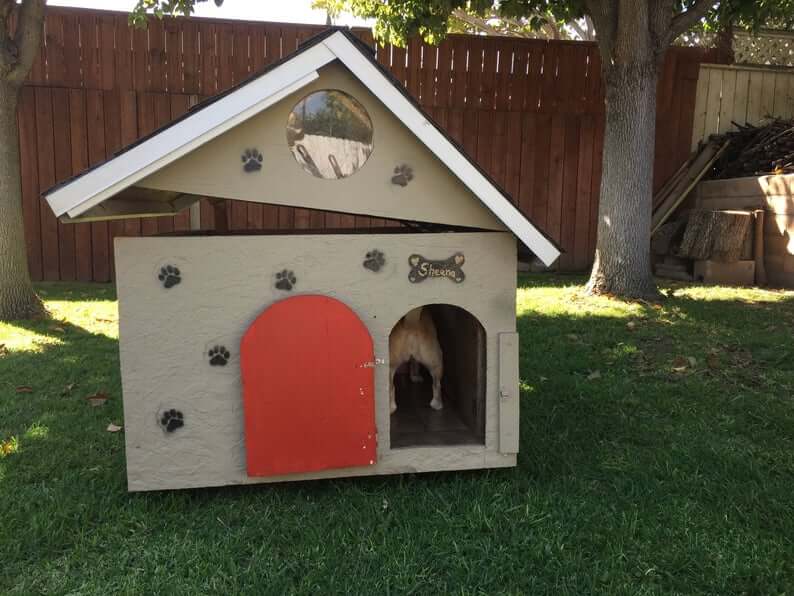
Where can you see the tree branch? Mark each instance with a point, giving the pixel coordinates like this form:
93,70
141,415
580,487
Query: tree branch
631,43
481,24
660,13
27,38
550,30
684,20
604,16
584,31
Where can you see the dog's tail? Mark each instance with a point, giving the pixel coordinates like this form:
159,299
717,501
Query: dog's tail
412,318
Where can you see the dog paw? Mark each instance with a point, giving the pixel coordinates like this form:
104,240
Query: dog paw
219,356
436,404
252,160
374,260
392,407
172,420
402,175
170,276
285,280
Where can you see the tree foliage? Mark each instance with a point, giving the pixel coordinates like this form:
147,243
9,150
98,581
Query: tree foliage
751,15
160,8
432,19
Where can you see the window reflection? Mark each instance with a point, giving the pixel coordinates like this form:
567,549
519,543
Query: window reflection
329,134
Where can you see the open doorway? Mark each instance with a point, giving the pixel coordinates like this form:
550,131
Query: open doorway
461,339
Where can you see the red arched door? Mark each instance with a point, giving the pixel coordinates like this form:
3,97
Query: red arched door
308,389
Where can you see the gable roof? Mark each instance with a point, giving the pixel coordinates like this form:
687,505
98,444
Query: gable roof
208,120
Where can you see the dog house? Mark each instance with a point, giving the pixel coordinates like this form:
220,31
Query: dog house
264,356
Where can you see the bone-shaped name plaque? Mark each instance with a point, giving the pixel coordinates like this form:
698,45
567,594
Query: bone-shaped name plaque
422,268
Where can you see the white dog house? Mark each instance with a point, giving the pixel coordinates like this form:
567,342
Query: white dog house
264,357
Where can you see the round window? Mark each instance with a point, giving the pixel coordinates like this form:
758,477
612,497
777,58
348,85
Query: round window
329,134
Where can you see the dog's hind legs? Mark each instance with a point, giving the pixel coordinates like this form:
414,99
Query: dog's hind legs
436,402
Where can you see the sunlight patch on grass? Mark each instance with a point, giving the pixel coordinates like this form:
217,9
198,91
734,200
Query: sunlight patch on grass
19,339
96,316
570,301
525,388
728,293
8,447
37,431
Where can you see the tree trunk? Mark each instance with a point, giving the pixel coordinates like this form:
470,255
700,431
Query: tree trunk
18,300
622,260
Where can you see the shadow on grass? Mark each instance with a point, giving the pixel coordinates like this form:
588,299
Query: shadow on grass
76,292
657,456
46,406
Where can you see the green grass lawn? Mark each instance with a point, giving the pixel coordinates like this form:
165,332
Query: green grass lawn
657,457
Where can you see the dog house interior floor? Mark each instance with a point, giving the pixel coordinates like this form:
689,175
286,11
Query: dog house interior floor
415,423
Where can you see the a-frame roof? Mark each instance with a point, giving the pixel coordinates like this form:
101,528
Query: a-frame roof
212,118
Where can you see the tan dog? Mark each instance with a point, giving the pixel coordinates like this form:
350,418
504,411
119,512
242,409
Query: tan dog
414,336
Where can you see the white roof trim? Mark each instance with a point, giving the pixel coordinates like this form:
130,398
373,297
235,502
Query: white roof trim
248,100
425,131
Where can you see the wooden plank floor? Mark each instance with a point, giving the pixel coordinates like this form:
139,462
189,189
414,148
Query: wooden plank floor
415,423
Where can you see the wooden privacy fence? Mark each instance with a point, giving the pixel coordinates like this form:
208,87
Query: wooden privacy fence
530,111
742,94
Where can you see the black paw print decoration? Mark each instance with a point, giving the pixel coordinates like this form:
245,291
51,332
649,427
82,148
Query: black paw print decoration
252,160
374,260
170,276
285,280
219,356
171,420
403,174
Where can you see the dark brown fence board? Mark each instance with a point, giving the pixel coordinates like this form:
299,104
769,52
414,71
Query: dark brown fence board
162,116
596,181
95,114
556,177
30,180
146,124
128,124
111,104
538,211
569,189
63,170
526,184
584,195
79,152
46,170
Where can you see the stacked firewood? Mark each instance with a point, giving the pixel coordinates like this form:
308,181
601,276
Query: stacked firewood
758,150
711,245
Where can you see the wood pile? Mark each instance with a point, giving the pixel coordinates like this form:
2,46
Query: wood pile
716,246
720,245
715,235
676,189
757,150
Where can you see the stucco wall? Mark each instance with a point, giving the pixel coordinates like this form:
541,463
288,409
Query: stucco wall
226,282
434,194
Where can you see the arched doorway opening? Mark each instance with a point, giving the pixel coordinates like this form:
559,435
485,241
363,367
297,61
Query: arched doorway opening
461,420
